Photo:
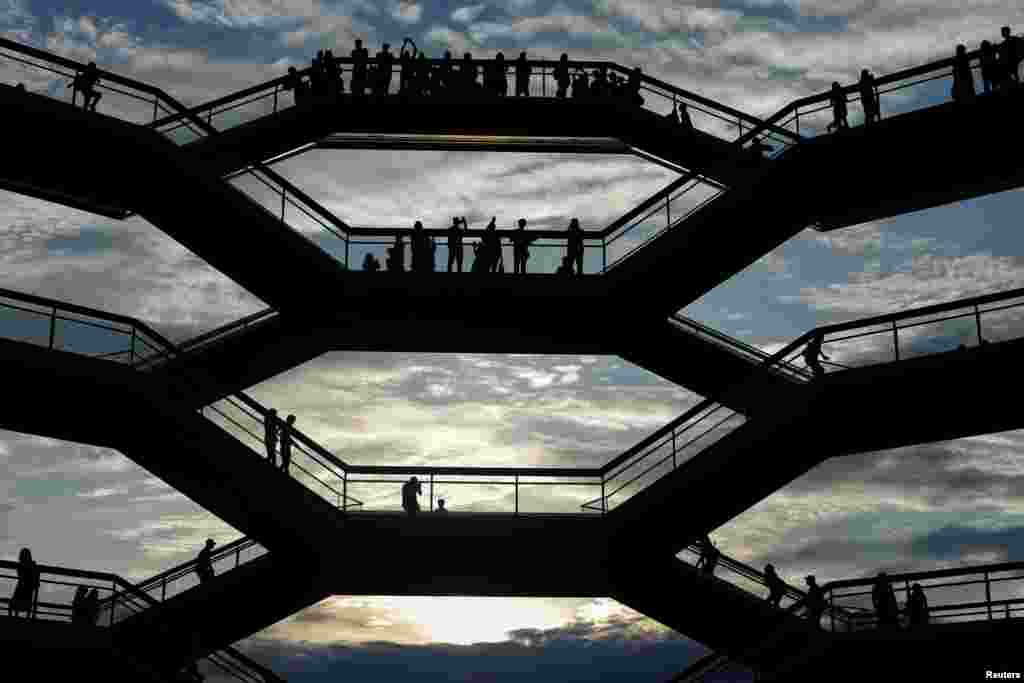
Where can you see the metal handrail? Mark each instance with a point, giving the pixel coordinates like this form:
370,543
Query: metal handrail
126,594
724,112
236,546
224,330
715,661
141,333
171,104
824,97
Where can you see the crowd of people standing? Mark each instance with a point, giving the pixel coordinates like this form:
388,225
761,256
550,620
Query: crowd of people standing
487,252
419,76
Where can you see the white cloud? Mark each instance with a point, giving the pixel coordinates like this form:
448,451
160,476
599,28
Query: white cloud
468,13
926,279
446,37
15,12
407,12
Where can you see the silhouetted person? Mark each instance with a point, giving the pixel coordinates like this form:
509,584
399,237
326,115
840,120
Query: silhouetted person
467,74
420,246
812,352
673,116
407,75
447,71
839,110
491,247
1010,55
868,97
440,506
561,74
77,604
410,490
575,245
566,267
85,83
428,79
270,432
23,598
360,57
385,61
917,607
522,76
580,85
91,607
317,78
963,79
989,67
371,264
815,601
709,556
204,562
332,75
479,259
635,78
520,248
499,76
776,587
395,261
685,122
287,439
884,600
455,233
599,86
291,82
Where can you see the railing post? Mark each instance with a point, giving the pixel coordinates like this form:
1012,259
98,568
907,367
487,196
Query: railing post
53,325
163,589
431,491
344,490
673,448
282,205
517,494
346,249
275,98
668,211
604,501
977,322
131,351
895,340
113,603
832,611
604,255
238,556
988,595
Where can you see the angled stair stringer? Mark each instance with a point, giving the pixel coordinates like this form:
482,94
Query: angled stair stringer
718,483
706,609
228,608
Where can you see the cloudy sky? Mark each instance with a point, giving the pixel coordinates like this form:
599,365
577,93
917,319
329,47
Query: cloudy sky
921,507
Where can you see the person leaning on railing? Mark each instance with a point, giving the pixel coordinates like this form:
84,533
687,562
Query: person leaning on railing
776,587
815,601
24,597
